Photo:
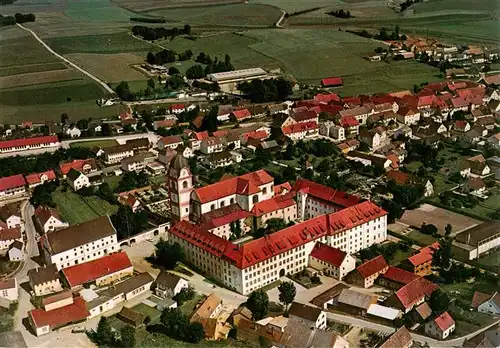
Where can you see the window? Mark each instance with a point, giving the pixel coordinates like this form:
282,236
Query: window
185,184
212,207
255,199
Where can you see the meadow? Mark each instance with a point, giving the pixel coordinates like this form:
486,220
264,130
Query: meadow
141,5
239,15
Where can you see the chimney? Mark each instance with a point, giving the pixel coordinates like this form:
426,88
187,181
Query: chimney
468,238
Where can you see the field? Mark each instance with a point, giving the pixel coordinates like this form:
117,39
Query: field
37,78
110,67
95,143
438,217
141,5
239,15
75,208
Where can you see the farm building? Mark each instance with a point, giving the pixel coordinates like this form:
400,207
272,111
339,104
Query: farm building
237,75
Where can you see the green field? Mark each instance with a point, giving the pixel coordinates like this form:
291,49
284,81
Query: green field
459,6
296,5
240,15
95,143
97,10
75,208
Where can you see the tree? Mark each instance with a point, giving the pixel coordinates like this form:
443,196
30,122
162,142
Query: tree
439,301
106,129
150,58
258,304
127,334
442,256
123,91
287,293
64,118
209,122
195,72
82,124
235,230
428,229
173,70
194,332
103,335
174,322
167,255
187,29
448,228
274,225
184,295
151,83
104,191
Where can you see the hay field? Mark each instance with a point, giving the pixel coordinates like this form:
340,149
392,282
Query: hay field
110,67
37,78
97,10
241,15
148,5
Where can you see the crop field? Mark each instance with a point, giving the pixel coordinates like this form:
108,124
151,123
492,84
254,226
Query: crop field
291,6
31,68
110,67
21,80
457,6
76,209
107,43
97,10
147,5
228,15
95,143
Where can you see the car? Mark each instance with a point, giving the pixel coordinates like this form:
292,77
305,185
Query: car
382,298
78,329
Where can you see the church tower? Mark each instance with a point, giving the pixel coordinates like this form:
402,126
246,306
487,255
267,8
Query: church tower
180,185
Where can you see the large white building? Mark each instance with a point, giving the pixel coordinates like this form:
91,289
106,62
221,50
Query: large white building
237,75
80,243
24,144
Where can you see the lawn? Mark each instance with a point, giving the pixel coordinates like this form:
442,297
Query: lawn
188,307
491,260
158,180
400,256
153,313
239,15
155,340
95,143
420,238
112,181
76,209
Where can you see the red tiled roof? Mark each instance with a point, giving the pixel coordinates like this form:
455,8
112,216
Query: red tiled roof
28,141
331,109
399,275
241,114
332,81
300,127
273,204
456,85
328,254
430,248
201,135
325,193
420,258
444,321
220,133
10,234
412,292
479,298
278,189
245,185
460,124
370,267
77,311
349,121
224,216
326,98
77,165
399,177
407,110
306,115
44,213
36,177
10,182
177,106
256,135
92,270
459,102
7,283
173,139
352,100
165,123
426,100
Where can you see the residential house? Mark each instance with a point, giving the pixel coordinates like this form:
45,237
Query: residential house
350,124
74,132
16,251
485,339
169,285
115,154
136,163
478,240
301,131
62,299
80,243
375,137
45,280
331,261
9,289
395,278
172,142
223,159
77,180
408,115
366,159
36,179
210,308
332,82
311,315
211,145
400,339
167,124
441,327
330,129
461,126
366,274
411,295
474,186
298,334
240,115
478,165
9,236
177,108
421,262
486,303
101,271
24,144
85,166
354,302
12,186
42,322
402,178
360,114
219,221
10,215
48,219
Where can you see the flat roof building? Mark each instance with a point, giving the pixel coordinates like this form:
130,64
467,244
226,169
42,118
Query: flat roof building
237,75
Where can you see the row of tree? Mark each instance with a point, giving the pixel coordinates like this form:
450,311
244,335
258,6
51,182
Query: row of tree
152,34
260,91
340,13
168,56
105,336
198,71
17,18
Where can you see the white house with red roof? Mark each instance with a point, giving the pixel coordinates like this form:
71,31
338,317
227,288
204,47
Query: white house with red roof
23,144
219,221
171,142
350,124
366,273
9,289
441,327
301,131
412,294
240,115
212,145
85,166
331,261
408,115
279,207
48,219
9,236
262,261
177,108
36,179
11,186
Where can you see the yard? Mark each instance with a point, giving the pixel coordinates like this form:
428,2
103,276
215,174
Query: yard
95,143
151,312
76,209
420,238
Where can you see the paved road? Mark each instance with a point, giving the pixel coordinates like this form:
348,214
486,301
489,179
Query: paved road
166,100
278,23
102,83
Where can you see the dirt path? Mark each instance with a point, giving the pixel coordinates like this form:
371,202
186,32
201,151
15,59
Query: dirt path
102,83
